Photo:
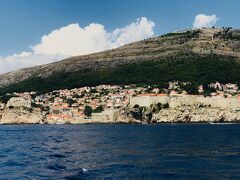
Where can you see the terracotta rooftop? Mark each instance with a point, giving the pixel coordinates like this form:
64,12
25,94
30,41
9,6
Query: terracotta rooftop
152,94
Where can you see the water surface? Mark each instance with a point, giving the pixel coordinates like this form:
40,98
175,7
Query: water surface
120,151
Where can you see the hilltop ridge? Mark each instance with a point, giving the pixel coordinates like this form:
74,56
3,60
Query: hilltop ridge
199,55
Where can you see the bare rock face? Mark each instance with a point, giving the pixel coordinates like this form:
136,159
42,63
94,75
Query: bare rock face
16,116
188,114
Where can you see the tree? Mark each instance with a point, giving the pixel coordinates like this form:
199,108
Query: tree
88,111
136,106
191,88
99,109
5,98
165,106
208,90
159,106
51,99
93,90
141,112
153,108
162,85
149,89
71,101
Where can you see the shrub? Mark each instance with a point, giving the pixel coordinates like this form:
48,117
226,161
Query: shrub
88,111
136,106
99,109
71,101
165,106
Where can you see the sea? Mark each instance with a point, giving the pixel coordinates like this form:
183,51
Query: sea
120,151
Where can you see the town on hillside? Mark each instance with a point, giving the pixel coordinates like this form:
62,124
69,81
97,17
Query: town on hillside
104,101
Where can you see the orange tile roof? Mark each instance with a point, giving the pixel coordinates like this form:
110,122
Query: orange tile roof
78,113
151,94
162,94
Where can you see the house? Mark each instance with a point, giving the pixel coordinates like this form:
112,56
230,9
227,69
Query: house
40,97
173,85
217,86
200,89
60,108
156,90
230,88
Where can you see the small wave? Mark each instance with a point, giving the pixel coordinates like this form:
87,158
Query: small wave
57,156
56,167
84,170
222,123
78,175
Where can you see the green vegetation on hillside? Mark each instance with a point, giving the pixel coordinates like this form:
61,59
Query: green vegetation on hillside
185,68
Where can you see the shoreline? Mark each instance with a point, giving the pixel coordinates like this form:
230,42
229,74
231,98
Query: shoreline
182,115
124,123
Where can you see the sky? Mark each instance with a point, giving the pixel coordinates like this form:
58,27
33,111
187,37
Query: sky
34,32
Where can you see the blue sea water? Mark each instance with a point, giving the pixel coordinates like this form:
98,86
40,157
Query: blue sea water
164,151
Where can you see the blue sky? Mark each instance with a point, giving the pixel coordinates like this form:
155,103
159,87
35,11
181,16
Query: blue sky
24,22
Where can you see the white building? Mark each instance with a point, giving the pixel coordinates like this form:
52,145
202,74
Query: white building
19,102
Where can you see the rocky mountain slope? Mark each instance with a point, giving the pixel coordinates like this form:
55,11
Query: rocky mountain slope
193,55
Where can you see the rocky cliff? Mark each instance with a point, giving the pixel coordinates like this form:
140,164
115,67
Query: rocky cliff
183,114
17,116
196,114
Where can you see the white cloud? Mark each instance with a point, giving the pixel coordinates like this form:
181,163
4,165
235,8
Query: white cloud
202,20
74,40
18,61
139,30
23,54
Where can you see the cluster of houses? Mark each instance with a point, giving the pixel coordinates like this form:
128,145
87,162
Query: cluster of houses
66,103
218,89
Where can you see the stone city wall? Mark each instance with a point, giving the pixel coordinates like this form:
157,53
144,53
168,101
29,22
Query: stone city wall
148,100
219,102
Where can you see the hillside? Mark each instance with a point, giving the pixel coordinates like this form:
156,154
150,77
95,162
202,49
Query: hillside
201,56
